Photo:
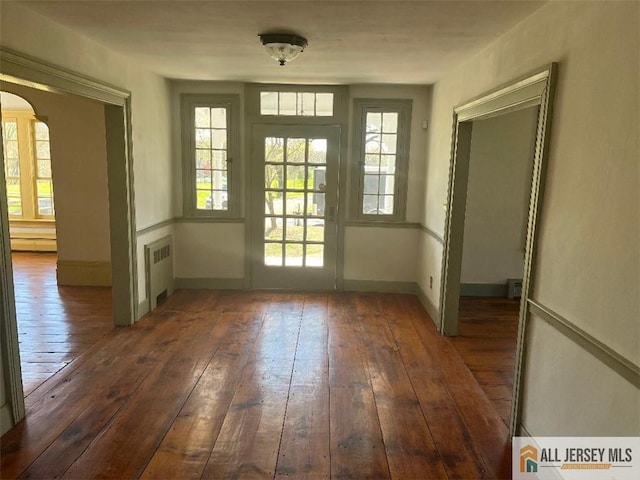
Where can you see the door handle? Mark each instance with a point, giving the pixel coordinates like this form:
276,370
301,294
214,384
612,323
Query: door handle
331,214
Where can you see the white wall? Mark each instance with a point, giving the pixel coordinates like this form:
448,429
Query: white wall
150,103
79,170
588,257
495,224
389,254
380,254
206,250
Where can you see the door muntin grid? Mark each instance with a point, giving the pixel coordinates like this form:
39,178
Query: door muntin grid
295,198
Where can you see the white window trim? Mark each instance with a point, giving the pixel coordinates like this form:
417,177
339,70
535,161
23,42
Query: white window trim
188,102
362,106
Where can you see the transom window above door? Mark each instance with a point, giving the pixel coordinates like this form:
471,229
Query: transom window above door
305,104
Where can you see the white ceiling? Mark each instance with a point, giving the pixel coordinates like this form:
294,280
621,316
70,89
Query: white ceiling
349,41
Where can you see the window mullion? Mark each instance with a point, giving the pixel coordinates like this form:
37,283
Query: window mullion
26,154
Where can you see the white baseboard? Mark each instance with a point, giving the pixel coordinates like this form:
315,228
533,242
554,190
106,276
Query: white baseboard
33,245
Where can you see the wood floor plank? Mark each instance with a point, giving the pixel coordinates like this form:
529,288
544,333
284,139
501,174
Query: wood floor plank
410,449
451,436
247,446
486,341
153,407
357,448
68,397
491,435
185,449
304,447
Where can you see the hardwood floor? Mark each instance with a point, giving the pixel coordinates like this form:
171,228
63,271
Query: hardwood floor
486,341
229,384
55,324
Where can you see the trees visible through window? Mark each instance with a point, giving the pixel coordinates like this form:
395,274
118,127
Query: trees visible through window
27,167
210,142
381,150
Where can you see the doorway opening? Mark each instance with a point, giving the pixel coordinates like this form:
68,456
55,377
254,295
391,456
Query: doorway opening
61,275
115,110
493,254
535,90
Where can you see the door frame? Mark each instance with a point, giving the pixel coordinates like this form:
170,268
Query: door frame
536,89
314,277
252,116
33,72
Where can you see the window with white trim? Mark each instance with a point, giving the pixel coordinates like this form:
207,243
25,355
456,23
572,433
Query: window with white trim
210,153
381,159
27,166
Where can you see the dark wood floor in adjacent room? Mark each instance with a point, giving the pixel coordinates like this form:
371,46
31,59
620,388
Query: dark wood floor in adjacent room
258,384
486,341
55,324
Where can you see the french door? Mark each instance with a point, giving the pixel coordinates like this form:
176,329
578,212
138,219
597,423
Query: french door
294,206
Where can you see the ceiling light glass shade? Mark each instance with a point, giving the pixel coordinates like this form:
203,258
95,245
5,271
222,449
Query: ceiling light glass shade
283,47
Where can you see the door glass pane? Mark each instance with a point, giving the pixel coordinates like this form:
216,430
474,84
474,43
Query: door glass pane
295,177
315,204
295,187
293,255
273,149
273,202
273,254
315,256
294,229
294,203
318,150
315,230
273,229
296,150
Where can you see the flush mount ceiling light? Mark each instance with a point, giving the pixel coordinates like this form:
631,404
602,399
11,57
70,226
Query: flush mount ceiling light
283,47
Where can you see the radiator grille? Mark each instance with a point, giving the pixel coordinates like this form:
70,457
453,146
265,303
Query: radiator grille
159,270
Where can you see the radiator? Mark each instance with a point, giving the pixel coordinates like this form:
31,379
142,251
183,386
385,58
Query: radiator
159,270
